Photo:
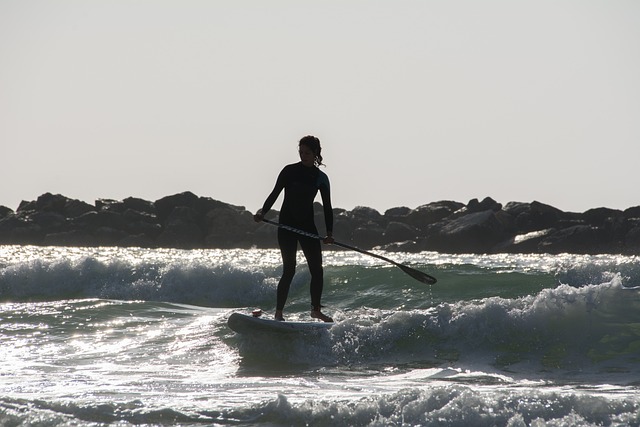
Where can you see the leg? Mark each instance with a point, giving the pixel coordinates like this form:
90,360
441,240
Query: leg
313,253
288,247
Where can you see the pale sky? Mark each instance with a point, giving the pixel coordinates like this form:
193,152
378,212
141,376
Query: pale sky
413,101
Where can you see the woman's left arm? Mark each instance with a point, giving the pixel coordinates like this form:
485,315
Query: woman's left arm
325,193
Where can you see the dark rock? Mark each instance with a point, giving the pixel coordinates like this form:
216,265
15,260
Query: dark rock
201,205
365,214
476,232
187,221
524,243
399,232
507,221
107,236
265,236
134,216
15,230
70,238
130,203
49,220
5,212
632,240
26,206
428,214
100,236
104,203
51,203
339,211
110,205
137,240
581,239
361,226
141,224
598,216
406,246
343,226
206,204
228,227
368,237
74,208
54,203
181,230
399,212
534,216
633,212
516,208
139,205
93,220
487,204
166,205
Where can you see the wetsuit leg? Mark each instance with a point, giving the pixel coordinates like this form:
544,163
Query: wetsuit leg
313,253
288,243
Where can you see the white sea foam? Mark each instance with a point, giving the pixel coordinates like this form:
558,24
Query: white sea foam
138,336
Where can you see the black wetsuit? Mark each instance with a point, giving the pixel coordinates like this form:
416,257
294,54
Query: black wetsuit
301,185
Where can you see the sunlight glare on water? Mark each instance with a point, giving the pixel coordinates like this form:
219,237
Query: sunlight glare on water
140,336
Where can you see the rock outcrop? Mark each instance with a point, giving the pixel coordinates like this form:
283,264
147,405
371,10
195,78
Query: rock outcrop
188,221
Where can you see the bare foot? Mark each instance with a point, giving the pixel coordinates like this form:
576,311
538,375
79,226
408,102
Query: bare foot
317,314
279,316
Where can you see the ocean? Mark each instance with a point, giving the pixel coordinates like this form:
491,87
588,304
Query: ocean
130,336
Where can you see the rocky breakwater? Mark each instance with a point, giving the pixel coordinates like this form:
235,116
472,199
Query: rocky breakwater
187,221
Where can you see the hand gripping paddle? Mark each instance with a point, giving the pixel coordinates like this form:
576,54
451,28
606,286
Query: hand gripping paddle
418,275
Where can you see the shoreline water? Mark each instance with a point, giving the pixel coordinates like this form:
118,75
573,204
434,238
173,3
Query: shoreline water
135,336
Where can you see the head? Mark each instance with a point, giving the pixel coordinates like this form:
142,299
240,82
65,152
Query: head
310,146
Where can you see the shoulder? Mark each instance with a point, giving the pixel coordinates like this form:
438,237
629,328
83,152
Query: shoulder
323,178
322,174
289,168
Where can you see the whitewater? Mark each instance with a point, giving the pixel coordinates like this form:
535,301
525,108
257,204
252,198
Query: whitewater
132,336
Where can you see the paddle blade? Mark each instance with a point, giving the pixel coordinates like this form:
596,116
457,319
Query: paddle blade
418,275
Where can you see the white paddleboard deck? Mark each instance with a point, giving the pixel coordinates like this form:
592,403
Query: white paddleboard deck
248,324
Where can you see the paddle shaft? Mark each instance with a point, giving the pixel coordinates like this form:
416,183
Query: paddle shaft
418,275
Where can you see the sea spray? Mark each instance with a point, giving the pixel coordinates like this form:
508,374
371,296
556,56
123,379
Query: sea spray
139,336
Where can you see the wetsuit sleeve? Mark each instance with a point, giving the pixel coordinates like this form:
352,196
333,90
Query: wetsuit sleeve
271,199
325,193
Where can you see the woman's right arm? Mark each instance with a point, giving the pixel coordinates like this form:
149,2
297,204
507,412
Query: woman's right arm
271,199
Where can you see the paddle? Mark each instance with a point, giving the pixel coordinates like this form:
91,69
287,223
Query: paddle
418,275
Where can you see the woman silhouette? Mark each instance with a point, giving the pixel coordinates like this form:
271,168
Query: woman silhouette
301,182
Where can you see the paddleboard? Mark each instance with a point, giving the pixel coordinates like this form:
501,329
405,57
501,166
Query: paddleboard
250,324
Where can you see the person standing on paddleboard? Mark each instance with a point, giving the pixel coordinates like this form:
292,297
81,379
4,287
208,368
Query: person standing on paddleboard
301,182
